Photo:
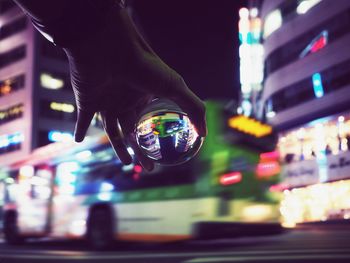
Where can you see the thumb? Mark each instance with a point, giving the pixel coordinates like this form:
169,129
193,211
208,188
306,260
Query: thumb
82,124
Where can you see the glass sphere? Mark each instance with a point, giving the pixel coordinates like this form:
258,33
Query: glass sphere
165,133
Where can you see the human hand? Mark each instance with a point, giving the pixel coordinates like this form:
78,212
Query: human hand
116,73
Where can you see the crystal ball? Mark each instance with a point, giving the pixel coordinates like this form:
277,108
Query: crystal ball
165,134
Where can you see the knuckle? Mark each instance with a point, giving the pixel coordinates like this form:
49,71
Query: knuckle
177,80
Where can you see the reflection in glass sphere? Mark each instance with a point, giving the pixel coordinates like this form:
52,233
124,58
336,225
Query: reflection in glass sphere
166,135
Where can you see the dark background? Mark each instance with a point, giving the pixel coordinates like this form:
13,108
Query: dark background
199,39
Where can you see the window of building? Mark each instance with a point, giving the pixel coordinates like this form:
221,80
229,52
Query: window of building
60,136
50,82
11,113
6,5
273,22
13,27
309,42
10,142
305,5
47,137
57,110
54,81
12,56
286,11
316,86
12,84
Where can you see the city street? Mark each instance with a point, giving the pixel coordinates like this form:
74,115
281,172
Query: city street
310,245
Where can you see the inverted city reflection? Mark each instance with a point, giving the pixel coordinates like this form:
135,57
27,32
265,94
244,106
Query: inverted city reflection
167,136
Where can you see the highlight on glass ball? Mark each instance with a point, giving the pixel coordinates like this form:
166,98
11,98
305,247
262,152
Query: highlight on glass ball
166,135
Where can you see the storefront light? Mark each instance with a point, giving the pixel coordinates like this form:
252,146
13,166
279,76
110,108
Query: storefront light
84,155
341,119
26,171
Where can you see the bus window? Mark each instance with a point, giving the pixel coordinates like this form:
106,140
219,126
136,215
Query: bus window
65,180
41,184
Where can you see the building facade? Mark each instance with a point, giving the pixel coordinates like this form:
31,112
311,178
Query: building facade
36,100
306,98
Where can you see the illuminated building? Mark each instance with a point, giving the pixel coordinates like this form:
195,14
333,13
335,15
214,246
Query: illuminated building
305,97
36,101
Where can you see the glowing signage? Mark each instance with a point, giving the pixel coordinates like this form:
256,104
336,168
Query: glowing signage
268,165
316,44
251,54
230,178
317,85
268,156
249,126
268,169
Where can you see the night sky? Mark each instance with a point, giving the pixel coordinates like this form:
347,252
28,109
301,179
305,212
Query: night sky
198,38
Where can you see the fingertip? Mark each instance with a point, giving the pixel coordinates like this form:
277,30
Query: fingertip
78,137
121,151
82,125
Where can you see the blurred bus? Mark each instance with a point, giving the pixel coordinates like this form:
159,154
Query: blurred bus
83,191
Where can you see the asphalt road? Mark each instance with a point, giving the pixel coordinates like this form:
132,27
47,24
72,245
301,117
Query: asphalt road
311,245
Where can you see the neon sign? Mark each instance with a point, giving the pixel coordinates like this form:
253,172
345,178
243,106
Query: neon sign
249,126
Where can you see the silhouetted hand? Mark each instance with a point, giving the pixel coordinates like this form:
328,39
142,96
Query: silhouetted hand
116,73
